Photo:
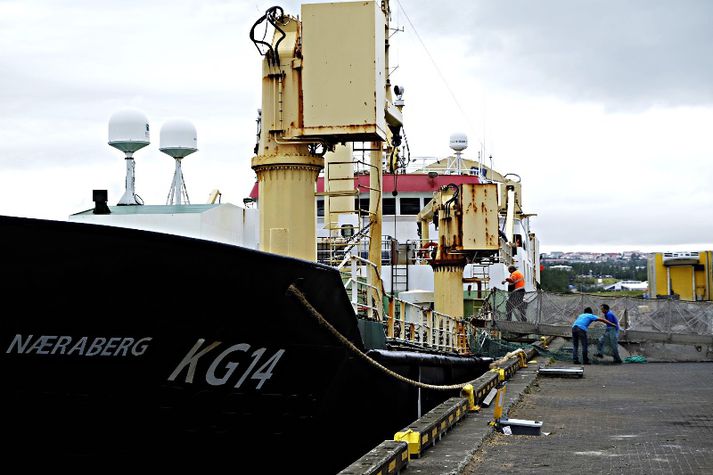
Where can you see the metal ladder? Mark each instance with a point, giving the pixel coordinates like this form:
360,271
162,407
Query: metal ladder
399,278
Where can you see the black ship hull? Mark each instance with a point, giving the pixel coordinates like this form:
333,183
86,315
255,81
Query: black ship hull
119,345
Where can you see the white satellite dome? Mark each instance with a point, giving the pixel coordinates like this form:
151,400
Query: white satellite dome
178,138
459,142
129,130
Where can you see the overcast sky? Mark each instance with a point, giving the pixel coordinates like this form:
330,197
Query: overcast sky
604,108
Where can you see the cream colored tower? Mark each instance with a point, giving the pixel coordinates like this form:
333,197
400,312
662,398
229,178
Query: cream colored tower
286,171
316,93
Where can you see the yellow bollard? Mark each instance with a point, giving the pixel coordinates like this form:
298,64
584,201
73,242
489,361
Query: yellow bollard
543,339
499,403
413,439
469,392
523,359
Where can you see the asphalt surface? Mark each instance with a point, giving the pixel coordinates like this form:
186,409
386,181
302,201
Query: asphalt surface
454,452
631,418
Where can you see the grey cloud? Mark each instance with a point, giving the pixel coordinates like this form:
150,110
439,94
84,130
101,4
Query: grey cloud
623,54
599,226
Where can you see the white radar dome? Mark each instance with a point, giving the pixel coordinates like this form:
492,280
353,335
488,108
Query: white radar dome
178,138
129,130
459,142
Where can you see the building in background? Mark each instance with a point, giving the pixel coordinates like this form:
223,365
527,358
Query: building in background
683,275
628,285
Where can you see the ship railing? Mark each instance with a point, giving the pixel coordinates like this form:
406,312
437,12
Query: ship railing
442,167
358,283
407,323
334,250
422,326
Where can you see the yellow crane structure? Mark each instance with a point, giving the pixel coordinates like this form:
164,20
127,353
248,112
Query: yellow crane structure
468,223
317,93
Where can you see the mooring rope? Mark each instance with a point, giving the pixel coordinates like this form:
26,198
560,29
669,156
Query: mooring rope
344,340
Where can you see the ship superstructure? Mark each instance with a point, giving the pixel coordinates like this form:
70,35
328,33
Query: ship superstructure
406,253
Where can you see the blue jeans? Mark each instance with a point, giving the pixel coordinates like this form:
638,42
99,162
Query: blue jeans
579,335
610,337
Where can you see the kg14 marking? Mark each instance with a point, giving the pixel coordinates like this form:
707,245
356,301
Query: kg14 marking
218,373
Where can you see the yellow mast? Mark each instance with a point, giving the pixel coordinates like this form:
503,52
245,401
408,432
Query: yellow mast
285,169
317,94
448,266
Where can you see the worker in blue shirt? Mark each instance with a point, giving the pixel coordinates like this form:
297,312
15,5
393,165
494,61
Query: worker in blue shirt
611,335
579,333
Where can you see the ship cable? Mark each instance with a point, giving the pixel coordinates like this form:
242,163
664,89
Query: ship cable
406,155
273,16
446,205
297,293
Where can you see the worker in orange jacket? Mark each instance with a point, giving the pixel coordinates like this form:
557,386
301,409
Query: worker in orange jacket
516,289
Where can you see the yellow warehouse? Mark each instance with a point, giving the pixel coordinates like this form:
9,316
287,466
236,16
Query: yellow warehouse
683,275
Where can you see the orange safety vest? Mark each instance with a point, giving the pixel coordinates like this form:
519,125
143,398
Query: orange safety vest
518,279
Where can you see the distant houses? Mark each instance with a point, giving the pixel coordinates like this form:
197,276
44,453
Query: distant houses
596,271
684,275
558,257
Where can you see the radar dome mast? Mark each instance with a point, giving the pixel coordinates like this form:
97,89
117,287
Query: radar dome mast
458,143
129,132
178,140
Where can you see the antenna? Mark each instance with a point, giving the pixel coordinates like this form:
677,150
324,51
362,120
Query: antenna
458,142
129,132
178,140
